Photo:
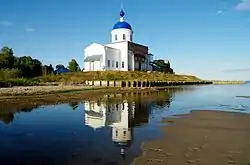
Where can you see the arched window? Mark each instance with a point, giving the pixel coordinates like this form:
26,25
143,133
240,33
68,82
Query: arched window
116,37
123,37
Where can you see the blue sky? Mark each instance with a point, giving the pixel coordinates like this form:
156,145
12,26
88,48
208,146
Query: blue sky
207,38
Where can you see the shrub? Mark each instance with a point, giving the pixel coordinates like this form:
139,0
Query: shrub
6,74
18,82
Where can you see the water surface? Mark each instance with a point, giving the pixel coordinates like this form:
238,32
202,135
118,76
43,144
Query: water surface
103,133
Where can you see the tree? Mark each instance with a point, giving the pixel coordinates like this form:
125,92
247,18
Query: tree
161,66
30,67
47,69
73,66
25,65
6,57
7,50
60,66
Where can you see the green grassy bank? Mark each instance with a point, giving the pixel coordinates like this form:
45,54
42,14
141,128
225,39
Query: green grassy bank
81,77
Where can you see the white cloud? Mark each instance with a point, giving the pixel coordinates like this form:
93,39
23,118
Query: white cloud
219,12
6,23
30,29
244,5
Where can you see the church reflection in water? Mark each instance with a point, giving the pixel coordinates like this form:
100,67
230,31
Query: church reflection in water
118,116
122,117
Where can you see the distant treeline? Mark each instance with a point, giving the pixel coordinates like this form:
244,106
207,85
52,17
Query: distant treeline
12,67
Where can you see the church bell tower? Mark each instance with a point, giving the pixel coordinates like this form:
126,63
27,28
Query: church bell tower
122,31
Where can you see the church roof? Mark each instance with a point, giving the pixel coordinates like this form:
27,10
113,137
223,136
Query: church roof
93,58
122,24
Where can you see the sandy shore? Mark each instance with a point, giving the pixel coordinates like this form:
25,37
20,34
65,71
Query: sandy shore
201,137
24,97
41,89
244,96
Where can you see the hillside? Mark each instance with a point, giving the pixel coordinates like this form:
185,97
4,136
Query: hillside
79,77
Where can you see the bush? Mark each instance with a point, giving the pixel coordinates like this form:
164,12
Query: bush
6,74
18,82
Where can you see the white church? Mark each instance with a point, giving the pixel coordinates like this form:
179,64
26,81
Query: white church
117,116
122,54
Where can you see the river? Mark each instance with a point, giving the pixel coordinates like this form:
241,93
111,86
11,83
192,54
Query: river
104,133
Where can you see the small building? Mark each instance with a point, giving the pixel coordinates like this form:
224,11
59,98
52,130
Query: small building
61,70
122,54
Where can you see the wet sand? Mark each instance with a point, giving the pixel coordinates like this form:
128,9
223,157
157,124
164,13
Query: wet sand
201,137
33,90
243,96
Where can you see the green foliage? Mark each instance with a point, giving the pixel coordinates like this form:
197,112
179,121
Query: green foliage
47,70
161,66
73,66
7,50
18,82
27,66
10,74
59,66
6,58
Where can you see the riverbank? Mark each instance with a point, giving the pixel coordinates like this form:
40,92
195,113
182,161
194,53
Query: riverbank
79,95
243,96
76,78
93,85
201,137
38,90
219,82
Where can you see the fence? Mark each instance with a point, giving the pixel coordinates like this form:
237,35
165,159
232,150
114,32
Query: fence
144,84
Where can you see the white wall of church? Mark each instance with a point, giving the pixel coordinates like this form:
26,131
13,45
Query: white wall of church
123,47
94,121
131,63
93,66
113,115
118,35
94,49
113,57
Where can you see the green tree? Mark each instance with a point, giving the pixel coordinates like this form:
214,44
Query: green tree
7,50
60,66
161,66
73,66
12,66
47,70
6,57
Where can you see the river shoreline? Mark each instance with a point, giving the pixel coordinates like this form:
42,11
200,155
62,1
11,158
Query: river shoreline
80,95
205,137
60,88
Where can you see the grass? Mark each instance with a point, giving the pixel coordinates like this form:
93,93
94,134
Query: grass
80,77
18,82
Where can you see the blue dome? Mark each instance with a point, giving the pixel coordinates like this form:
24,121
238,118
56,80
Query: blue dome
123,24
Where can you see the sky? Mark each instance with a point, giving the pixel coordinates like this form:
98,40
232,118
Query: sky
206,38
